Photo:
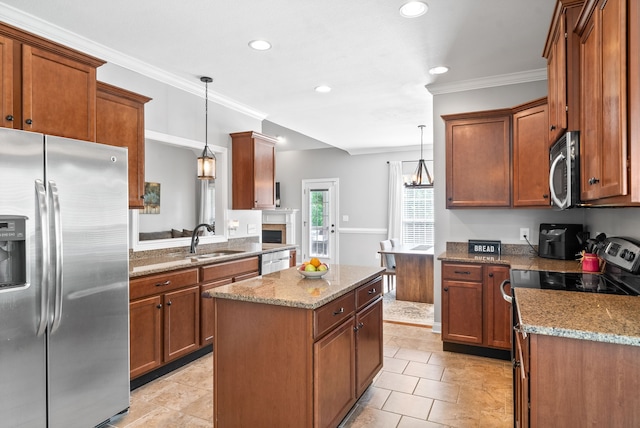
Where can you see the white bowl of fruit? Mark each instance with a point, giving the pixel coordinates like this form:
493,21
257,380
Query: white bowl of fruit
314,268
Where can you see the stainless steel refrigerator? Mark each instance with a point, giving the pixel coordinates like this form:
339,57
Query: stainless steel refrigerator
64,286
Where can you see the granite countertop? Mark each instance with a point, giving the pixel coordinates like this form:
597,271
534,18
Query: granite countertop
289,288
177,259
525,261
587,316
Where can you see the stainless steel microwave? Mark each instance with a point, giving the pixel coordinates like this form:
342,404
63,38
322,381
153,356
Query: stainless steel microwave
564,171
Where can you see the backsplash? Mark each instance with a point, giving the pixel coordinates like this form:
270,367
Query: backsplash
203,248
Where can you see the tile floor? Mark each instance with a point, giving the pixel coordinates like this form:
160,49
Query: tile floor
419,386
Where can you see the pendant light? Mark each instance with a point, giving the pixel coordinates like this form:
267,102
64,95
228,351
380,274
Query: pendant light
206,161
421,178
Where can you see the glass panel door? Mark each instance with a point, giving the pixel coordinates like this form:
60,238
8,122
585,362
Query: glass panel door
319,220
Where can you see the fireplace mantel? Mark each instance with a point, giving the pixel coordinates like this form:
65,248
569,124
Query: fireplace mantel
282,216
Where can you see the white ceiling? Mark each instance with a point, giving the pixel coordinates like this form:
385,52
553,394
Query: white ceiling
375,61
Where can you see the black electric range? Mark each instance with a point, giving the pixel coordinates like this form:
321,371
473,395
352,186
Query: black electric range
622,257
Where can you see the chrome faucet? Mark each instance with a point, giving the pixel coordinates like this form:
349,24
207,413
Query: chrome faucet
195,238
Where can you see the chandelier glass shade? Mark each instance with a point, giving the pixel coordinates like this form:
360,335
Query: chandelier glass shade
207,160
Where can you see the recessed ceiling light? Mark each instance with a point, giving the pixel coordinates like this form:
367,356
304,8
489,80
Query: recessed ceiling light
438,70
260,45
323,89
413,9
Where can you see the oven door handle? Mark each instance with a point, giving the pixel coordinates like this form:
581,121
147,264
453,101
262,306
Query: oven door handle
505,296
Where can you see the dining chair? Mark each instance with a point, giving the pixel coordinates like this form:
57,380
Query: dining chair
395,242
388,261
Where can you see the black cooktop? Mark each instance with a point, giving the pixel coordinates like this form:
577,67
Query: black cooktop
577,282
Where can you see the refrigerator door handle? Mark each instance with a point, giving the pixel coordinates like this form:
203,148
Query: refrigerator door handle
41,196
57,240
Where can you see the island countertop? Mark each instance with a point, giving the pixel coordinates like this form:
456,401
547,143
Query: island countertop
587,316
289,288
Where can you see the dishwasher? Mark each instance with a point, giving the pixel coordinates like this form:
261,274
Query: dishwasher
275,261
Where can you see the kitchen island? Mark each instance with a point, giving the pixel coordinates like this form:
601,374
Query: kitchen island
296,352
577,357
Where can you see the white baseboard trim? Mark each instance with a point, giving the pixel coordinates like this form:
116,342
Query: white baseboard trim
437,327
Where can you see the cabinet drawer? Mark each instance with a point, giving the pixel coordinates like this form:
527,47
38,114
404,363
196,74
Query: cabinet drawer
333,313
368,292
464,272
229,269
161,283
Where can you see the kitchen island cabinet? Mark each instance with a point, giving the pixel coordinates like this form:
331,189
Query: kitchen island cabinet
292,351
576,359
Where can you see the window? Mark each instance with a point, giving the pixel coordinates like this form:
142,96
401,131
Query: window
417,215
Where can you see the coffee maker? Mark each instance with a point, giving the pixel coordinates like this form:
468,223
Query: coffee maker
559,241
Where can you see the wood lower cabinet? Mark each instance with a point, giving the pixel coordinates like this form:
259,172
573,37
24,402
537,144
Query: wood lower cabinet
120,122
47,87
531,155
565,382
253,160
164,312
478,152
473,310
145,340
181,322
285,366
214,276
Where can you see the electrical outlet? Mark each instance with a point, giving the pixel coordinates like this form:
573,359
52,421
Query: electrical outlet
524,234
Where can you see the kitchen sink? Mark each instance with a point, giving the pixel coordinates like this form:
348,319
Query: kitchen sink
207,256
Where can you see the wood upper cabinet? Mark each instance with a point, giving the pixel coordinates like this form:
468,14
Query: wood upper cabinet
563,60
120,122
6,82
253,171
478,159
50,88
531,155
473,310
602,28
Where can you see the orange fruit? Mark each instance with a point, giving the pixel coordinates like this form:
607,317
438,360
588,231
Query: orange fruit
315,262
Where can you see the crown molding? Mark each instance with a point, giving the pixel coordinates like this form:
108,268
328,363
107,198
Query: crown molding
42,28
488,82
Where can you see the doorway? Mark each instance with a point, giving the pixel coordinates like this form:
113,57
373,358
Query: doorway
319,216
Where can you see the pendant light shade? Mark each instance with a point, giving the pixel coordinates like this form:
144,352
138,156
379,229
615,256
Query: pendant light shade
206,161
421,178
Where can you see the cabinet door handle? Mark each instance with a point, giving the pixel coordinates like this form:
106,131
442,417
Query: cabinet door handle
491,275
372,291
159,306
9,118
28,121
446,289
552,128
515,363
162,284
594,180
169,303
462,272
358,327
339,311
545,196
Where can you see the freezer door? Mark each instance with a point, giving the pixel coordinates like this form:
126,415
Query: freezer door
22,350
88,362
